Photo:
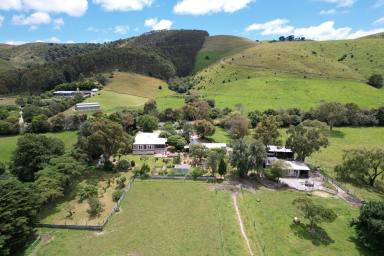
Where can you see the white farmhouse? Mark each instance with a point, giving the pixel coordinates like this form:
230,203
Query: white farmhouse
149,144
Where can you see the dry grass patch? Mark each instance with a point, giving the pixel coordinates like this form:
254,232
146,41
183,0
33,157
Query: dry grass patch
7,101
134,84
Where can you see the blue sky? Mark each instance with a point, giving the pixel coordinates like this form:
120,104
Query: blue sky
105,20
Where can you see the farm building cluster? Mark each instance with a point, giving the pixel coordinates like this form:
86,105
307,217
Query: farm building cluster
153,144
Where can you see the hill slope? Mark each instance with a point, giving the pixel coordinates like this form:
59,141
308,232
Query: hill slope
161,54
217,47
295,74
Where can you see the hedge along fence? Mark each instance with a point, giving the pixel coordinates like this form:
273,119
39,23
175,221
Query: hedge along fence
93,227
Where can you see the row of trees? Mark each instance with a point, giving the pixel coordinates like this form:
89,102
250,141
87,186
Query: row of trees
332,113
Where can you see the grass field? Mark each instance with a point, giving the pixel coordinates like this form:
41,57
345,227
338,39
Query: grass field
268,216
351,138
284,92
169,99
221,135
8,143
159,218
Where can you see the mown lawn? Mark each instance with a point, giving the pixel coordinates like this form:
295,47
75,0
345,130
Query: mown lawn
159,218
8,143
221,136
270,92
268,219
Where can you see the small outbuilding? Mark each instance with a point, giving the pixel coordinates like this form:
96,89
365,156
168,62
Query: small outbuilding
280,152
88,106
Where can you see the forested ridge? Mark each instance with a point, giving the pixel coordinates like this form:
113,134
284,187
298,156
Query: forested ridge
162,54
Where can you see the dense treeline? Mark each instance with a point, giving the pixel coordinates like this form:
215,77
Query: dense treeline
163,54
47,76
180,46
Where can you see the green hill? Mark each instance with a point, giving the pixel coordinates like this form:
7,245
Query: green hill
295,74
161,54
19,56
374,36
217,47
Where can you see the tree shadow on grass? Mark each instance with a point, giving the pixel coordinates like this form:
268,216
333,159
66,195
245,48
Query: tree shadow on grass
337,134
318,236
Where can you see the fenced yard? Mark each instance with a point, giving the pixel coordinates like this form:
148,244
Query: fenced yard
57,215
159,218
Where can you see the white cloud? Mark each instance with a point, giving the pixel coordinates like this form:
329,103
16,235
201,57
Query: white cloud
70,7
328,12
379,21
53,40
122,30
341,3
70,42
123,5
12,42
58,23
1,20
324,31
273,27
33,20
201,7
10,5
154,24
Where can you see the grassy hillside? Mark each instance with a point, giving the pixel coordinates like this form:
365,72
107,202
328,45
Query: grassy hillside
276,92
159,218
377,36
135,84
362,56
217,47
292,74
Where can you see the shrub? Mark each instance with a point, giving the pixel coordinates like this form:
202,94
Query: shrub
276,171
95,207
87,192
116,195
376,81
121,182
123,165
196,172
133,163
